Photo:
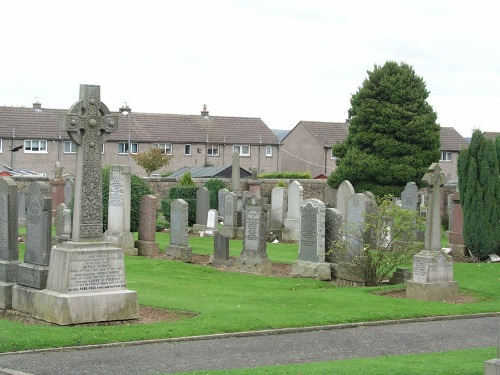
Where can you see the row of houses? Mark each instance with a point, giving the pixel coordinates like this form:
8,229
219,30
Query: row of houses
31,139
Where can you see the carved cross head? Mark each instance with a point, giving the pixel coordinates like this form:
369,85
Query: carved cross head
434,177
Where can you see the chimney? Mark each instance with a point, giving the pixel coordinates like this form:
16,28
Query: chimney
37,106
204,113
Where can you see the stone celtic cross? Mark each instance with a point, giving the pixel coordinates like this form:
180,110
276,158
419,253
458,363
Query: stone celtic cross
434,180
89,124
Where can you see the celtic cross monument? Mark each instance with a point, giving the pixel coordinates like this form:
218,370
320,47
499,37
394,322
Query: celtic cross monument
432,277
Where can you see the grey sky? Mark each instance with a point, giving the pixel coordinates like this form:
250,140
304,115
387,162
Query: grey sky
282,61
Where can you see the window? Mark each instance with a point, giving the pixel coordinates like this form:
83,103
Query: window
213,150
123,148
269,150
243,150
445,156
166,147
187,149
35,146
69,147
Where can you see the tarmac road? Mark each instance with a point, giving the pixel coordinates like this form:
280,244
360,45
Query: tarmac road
263,348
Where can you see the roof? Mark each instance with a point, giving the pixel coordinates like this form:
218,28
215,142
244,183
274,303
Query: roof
451,140
328,133
208,172
29,123
492,135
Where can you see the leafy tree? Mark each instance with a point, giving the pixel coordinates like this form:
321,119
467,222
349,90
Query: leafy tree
151,160
387,240
393,135
479,186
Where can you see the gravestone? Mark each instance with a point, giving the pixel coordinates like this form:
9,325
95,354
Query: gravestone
410,200
202,207
235,172
221,251
86,279
291,225
118,232
253,257
492,367
456,236
277,205
9,240
400,276
344,193
68,192
333,232
63,223
146,244
254,183
32,273
311,262
330,197
21,208
230,228
432,277
179,248
220,201
57,187
212,217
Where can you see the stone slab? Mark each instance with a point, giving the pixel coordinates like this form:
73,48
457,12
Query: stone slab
492,367
6,295
314,270
436,291
8,271
257,265
123,240
32,275
22,298
182,253
147,248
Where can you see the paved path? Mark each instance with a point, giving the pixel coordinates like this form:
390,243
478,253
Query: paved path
260,349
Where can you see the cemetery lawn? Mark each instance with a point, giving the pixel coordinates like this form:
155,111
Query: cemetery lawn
460,362
217,301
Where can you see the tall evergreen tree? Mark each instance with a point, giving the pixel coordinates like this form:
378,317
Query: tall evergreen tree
479,186
393,135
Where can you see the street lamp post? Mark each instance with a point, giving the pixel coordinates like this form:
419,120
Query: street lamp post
126,111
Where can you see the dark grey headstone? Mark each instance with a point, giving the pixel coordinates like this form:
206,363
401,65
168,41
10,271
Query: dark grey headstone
409,196
179,223
312,231
202,205
221,194
221,247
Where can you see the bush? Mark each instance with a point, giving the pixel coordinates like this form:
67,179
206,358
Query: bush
188,193
186,180
287,175
138,188
214,185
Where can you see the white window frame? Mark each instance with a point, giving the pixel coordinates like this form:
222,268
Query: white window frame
239,149
166,147
124,148
269,151
1,150
72,147
445,156
211,148
29,149
186,147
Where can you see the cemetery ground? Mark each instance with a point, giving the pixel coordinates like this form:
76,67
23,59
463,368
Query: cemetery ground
197,299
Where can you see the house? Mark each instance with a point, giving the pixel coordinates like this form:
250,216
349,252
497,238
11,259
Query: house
222,171
32,139
492,135
307,147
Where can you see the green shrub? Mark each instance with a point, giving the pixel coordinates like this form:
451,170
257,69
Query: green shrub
138,188
186,179
188,193
281,183
214,185
287,175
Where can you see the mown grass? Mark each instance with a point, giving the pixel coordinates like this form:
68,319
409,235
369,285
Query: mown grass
460,362
236,302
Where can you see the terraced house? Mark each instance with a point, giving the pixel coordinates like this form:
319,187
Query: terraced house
31,139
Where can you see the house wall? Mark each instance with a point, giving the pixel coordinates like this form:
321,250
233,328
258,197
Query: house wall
450,168
302,152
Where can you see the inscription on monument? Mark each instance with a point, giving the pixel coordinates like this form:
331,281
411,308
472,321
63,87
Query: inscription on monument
420,270
252,227
309,235
116,189
4,226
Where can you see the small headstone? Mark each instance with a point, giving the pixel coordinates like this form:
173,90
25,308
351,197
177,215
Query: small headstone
212,217
409,196
344,193
220,201
202,207
146,244
291,230
330,197
179,229
277,205
221,251
400,276
63,223
311,262
9,240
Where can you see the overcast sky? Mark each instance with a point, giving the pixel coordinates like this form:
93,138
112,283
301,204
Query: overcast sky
283,61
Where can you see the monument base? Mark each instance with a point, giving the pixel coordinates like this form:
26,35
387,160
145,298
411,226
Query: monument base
313,270
123,240
252,264
232,232
436,291
220,262
459,250
147,248
32,275
492,367
346,277
22,298
6,295
77,308
182,253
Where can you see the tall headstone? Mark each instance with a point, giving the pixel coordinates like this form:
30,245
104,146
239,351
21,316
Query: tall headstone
291,225
432,277
63,223
9,240
277,208
57,187
333,232
410,200
235,172
86,279
68,192
21,208
456,236
344,193
32,273
179,248
220,201
202,207
230,228
253,257
311,261
118,232
146,244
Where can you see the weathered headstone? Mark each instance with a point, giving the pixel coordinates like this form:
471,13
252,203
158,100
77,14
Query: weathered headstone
32,273
230,228
410,200
333,232
146,244
456,236
400,276
235,172
212,219
21,208
291,225
179,248
358,206
202,207
220,201
253,257
118,232
432,277
63,223
344,193
68,192
221,251
277,211
86,280
311,262
9,240
330,197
